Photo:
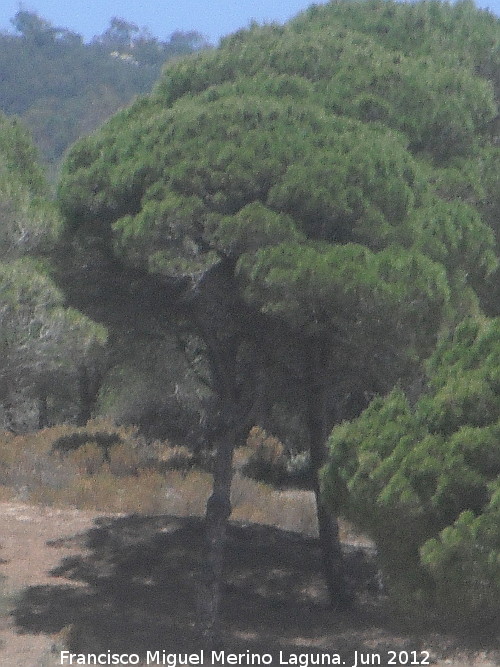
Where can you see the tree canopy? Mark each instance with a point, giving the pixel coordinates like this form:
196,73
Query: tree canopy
42,342
297,200
261,109
270,153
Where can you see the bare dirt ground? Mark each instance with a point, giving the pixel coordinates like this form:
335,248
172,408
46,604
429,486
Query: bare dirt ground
26,532
128,584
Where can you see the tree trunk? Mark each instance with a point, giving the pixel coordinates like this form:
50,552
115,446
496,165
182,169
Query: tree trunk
216,309
217,515
84,398
88,390
43,411
333,560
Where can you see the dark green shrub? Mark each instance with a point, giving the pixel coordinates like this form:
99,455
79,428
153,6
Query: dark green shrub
424,481
73,441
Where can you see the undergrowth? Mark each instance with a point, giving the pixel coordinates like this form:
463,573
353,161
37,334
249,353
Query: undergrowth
107,468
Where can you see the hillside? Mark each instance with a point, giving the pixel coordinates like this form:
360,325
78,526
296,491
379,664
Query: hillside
63,88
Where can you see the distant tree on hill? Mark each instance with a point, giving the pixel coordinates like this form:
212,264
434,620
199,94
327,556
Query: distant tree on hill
63,88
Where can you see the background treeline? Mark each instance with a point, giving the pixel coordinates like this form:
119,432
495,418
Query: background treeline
297,231
64,88
54,361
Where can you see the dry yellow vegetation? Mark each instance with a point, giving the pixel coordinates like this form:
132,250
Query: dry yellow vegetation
134,477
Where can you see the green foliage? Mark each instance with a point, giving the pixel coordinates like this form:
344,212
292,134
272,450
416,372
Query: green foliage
343,183
256,121
63,88
460,239
41,342
38,335
423,480
253,227
348,290
28,220
466,556
337,180
376,72
19,156
465,379
455,34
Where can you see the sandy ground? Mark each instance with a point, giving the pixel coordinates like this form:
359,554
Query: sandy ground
27,556
122,582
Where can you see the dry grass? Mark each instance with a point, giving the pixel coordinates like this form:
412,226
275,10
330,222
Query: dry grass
256,502
275,592
134,478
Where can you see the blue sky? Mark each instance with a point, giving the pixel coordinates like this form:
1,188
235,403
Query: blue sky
213,18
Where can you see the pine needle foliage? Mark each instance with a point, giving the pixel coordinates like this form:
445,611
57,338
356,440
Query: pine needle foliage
423,481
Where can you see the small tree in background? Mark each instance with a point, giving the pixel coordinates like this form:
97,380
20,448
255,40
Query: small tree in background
42,343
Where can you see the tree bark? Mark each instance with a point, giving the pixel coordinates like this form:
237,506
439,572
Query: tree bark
222,347
328,528
217,514
88,390
43,411
221,319
332,557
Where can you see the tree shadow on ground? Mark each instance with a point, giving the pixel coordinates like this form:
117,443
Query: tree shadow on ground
135,590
